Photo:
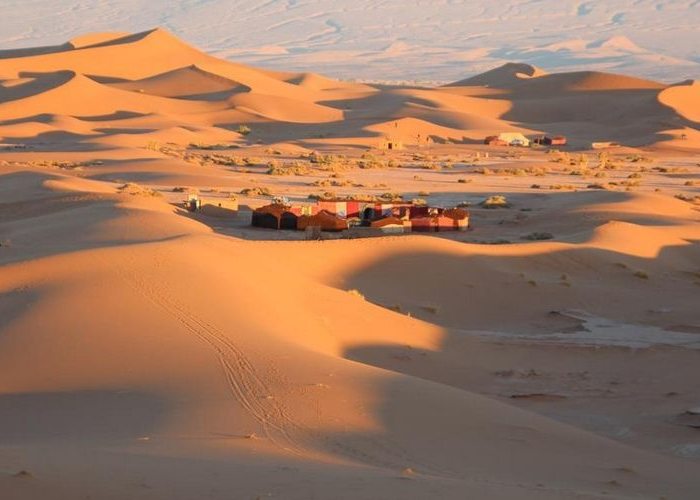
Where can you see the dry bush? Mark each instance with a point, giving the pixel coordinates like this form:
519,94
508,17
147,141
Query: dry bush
295,168
243,129
606,186
694,199
581,172
538,236
137,190
356,293
256,191
672,170
496,201
251,161
391,197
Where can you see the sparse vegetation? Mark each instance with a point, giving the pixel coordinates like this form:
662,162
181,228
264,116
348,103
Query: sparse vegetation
538,236
295,168
694,199
137,190
356,293
256,191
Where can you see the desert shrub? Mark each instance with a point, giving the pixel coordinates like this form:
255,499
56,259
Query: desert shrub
243,129
538,236
294,168
256,191
599,185
631,184
496,201
638,158
580,172
672,170
464,181
137,190
252,161
391,196
689,198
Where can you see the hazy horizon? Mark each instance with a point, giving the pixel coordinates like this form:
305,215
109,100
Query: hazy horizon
421,41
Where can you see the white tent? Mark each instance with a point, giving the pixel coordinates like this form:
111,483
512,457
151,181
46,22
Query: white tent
514,139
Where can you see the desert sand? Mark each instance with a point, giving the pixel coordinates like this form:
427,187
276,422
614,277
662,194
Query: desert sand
551,352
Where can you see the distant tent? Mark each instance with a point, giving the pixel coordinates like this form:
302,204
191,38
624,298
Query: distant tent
391,224
459,217
391,144
266,220
288,220
274,216
514,139
327,221
424,224
550,141
493,140
453,219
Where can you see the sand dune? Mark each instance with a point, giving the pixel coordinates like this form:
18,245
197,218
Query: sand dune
112,76
183,82
684,99
149,352
503,76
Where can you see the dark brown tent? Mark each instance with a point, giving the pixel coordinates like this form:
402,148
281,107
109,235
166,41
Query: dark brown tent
266,220
288,220
274,216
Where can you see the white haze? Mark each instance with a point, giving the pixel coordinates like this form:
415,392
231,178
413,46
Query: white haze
393,40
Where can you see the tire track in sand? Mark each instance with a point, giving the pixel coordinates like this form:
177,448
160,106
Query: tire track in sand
254,395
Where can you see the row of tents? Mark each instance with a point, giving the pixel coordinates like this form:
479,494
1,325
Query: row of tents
518,139
338,215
